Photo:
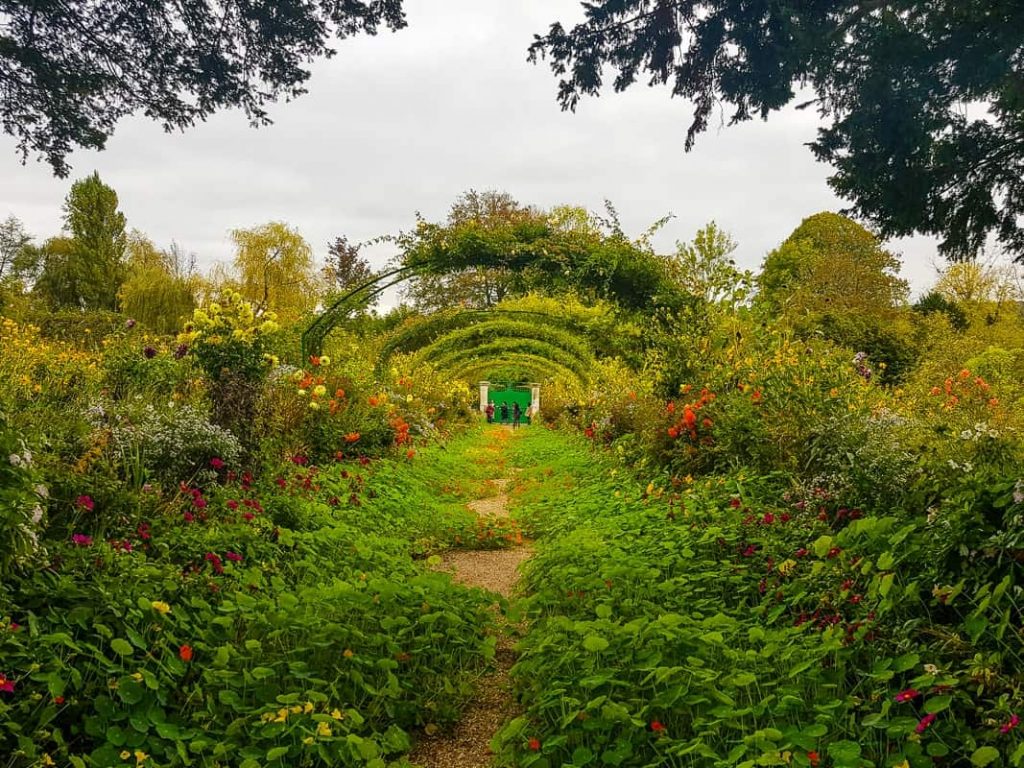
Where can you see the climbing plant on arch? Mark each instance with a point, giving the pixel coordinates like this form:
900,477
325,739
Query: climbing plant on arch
542,253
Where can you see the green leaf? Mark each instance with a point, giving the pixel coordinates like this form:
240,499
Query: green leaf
261,673
984,755
121,647
276,752
937,704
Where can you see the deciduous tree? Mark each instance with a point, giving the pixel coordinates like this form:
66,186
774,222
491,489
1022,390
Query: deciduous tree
274,267
70,70
922,103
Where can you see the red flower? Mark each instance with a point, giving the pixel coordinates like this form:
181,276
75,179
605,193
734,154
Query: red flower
813,759
768,518
834,552
189,517
734,503
923,724
802,552
657,727
756,397
234,557
81,540
58,700
217,463
1012,723
6,684
232,504
534,744
281,482
248,516
673,432
410,453
85,502
185,653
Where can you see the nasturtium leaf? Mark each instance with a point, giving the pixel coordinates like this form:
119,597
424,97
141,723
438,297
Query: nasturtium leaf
594,643
276,752
121,647
937,704
982,756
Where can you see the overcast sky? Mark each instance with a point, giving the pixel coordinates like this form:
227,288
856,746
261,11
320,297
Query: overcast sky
404,122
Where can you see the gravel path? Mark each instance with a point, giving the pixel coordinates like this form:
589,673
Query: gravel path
467,745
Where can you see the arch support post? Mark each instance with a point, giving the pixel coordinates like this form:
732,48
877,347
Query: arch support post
534,399
484,389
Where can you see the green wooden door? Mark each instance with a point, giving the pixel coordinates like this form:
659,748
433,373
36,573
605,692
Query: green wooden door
509,395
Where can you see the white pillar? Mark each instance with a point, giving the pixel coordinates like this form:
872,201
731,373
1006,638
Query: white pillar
484,387
534,399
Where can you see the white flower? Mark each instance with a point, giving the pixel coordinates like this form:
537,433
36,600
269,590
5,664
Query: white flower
42,491
15,459
37,514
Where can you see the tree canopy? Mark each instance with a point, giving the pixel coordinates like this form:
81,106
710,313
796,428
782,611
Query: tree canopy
69,71
891,78
274,265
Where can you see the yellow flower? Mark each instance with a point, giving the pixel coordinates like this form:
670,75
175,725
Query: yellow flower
308,740
314,405
48,761
348,654
308,708
787,567
161,607
324,360
125,755
323,729
140,757
137,677
269,326
319,390
296,709
282,715
337,714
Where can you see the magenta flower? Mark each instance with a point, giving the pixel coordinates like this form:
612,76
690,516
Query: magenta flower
85,502
1013,722
81,540
188,516
925,721
6,684
234,557
217,463
199,502
908,695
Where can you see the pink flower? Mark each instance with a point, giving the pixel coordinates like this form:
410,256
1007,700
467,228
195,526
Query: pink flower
199,502
215,561
6,684
15,626
234,557
248,516
217,463
1012,723
232,504
81,540
923,724
85,502
908,695
768,518
189,517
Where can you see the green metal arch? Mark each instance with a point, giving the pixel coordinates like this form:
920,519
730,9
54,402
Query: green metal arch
496,350
543,368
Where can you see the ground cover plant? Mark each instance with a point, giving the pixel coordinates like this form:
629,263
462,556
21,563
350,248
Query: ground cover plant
729,621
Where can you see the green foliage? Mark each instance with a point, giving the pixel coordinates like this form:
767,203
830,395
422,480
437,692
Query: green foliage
274,267
903,150
728,620
161,288
205,62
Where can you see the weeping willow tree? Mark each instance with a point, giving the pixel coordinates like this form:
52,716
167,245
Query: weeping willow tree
161,288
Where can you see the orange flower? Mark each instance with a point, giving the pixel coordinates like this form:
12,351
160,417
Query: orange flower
689,418
185,653
756,397
936,391
673,432
965,374
534,744
351,437
813,759
373,401
410,453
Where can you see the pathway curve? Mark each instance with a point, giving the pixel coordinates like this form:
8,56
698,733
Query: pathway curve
467,744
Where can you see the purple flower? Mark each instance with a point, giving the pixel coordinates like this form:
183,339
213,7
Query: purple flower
129,323
180,351
148,352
